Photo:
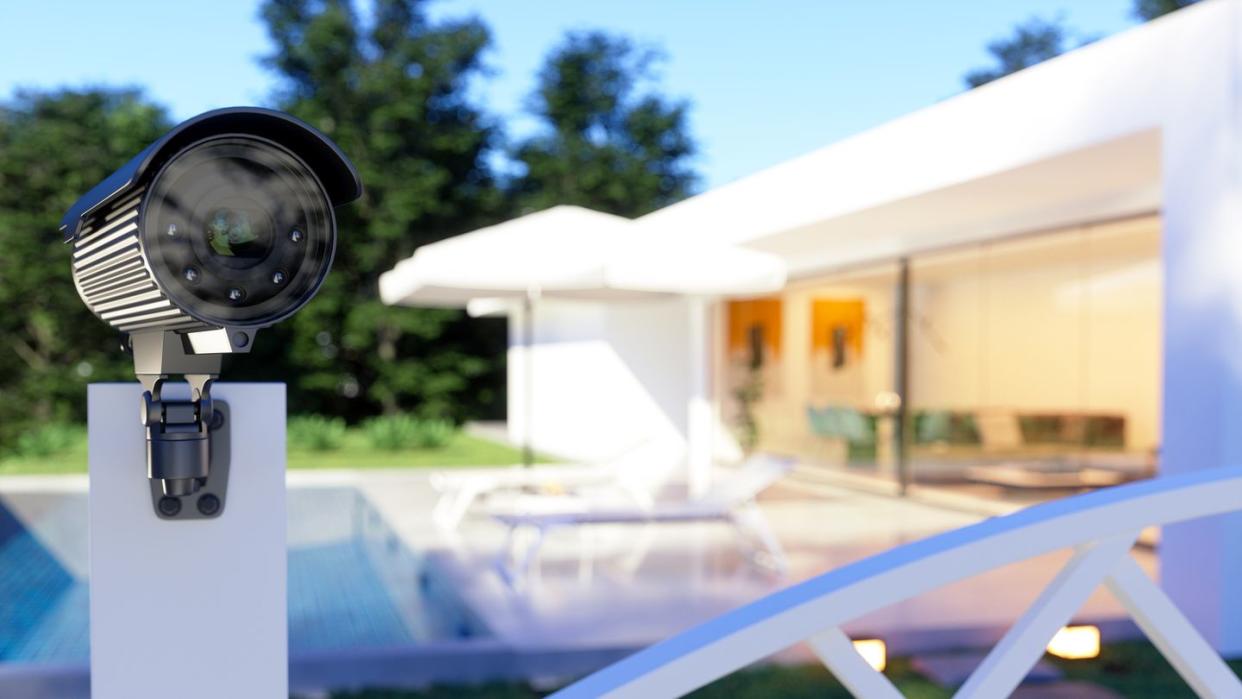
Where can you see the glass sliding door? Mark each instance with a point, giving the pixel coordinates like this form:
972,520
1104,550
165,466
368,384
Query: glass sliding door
1035,363
1031,366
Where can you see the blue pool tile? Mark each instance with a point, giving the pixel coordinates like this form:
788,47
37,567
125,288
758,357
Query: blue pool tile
342,594
336,600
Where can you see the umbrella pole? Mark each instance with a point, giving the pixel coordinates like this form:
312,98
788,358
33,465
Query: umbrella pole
528,383
699,413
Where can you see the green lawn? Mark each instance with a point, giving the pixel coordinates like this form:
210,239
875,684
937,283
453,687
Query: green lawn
71,460
764,682
1132,669
356,452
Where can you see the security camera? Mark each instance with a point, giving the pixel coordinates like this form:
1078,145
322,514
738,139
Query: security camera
221,227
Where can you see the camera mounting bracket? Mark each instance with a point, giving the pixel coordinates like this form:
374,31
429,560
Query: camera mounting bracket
187,447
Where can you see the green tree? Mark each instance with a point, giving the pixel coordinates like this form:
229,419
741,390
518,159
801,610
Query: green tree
1147,10
1037,40
606,141
1034,41
53,147
393,93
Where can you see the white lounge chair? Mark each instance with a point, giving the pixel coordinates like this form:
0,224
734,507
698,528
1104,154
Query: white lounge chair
731,499
459,489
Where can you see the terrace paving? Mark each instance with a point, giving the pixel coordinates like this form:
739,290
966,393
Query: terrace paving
596,587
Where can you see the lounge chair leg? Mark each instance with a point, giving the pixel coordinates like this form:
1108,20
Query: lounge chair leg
641,497
530,557
517,557
638,553
439,514
749,518
451,509
586,555
505,558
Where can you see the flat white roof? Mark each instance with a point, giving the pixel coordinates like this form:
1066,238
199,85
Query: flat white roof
1075,139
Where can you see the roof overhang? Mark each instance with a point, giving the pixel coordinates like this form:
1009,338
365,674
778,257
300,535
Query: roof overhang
1115,180
1075,139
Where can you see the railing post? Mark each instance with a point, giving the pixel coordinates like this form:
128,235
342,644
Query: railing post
1010,660
836,651
1172,633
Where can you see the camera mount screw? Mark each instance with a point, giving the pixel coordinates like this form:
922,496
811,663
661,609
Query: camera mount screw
170,506
208,504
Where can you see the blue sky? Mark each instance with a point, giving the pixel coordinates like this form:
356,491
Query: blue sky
768,79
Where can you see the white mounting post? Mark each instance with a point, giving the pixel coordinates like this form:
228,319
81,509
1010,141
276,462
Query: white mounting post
188,608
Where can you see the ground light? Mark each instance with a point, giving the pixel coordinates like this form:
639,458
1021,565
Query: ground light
874,651
1075,643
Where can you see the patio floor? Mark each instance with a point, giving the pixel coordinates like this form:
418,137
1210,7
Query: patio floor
629,586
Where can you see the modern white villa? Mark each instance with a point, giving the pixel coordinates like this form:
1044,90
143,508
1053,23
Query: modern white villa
1026,290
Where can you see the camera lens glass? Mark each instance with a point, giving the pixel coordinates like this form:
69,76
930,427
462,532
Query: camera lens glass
238,231
231,233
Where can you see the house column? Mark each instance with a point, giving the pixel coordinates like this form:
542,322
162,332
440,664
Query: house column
1201,561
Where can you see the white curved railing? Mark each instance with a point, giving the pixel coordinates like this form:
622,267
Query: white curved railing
1100,526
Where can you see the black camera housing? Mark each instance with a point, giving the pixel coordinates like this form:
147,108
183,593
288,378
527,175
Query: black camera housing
223,226
151,242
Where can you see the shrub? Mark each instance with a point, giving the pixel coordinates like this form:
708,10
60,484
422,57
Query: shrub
396,432
48,440
434,434
316,432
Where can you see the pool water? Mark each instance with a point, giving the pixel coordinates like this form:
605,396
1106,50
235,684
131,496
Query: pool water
43,607
352,582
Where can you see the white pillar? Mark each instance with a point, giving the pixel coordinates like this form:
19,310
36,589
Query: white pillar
699,417
188,608
1201,561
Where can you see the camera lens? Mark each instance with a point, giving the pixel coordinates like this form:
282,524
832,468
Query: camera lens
231,233
250,218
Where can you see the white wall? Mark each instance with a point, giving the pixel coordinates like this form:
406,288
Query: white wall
609,379
1201,562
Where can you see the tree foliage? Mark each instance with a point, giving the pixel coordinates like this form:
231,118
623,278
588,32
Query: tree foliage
1150,9
1034,41
53,147
606,140
1037,40
392,92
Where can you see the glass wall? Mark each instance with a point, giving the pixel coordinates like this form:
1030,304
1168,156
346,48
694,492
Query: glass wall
1032,366
1035,363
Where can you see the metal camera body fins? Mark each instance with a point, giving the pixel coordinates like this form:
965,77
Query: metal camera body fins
250,194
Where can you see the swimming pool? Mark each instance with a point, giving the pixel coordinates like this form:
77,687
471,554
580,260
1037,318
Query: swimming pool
353,584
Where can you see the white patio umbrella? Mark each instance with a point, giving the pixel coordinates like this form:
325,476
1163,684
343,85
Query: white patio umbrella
575,253
560,251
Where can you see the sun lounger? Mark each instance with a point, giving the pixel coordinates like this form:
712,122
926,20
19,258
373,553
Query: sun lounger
731,499
634,474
